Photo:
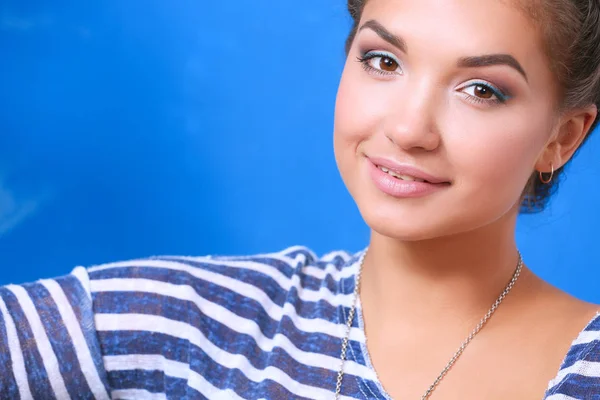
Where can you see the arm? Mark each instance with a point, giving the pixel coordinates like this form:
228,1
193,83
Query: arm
48,343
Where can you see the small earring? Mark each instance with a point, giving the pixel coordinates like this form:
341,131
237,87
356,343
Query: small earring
547,181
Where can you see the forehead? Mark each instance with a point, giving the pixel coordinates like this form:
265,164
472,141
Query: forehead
472,26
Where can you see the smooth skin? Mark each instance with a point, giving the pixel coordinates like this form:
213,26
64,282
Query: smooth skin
437,262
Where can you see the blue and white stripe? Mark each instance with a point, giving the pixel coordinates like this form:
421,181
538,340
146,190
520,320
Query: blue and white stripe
259,327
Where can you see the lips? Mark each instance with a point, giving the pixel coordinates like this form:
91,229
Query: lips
403,181
401,177
406,172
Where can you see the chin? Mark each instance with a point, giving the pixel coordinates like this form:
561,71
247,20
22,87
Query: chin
408,228
413,220
448,212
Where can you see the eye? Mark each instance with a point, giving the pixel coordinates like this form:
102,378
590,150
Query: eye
482,92
381,63
387,64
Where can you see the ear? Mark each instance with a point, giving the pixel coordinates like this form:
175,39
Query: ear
572,129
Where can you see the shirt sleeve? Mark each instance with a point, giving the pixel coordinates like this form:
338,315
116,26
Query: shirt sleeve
49,347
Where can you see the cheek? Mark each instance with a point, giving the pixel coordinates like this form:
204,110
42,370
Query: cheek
495,153
359,111
347,121
350,116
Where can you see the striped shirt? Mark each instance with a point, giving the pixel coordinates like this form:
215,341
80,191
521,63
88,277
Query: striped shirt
262,327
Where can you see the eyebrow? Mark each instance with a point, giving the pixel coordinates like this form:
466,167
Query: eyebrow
464,62
492,59
386,35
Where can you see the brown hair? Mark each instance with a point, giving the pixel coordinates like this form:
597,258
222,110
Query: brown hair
571,29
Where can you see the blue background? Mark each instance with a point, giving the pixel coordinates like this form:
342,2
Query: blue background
142,127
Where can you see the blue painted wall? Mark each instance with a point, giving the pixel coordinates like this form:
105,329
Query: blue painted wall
141,127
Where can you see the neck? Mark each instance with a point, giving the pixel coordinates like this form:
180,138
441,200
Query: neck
454,278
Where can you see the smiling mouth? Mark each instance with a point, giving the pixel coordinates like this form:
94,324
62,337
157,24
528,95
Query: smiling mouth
401,177
407,178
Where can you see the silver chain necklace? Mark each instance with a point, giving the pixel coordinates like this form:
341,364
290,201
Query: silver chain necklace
463,346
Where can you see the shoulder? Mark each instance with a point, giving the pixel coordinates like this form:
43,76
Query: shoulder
145,293
172,300
580,371
273,273
291,260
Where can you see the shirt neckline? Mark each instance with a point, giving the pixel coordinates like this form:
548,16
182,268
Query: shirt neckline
556,381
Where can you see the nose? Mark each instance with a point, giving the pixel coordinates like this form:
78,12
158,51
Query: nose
410,122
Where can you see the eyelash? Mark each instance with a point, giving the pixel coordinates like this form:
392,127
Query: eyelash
501,97
366,57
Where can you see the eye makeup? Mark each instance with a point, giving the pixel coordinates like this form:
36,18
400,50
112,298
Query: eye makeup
385,64
483,92
380,63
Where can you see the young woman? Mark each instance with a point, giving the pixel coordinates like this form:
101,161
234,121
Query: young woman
452,116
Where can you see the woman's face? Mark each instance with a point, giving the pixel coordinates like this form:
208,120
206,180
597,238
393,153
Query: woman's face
457,93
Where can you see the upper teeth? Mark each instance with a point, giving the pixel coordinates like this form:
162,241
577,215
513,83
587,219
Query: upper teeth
403,177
